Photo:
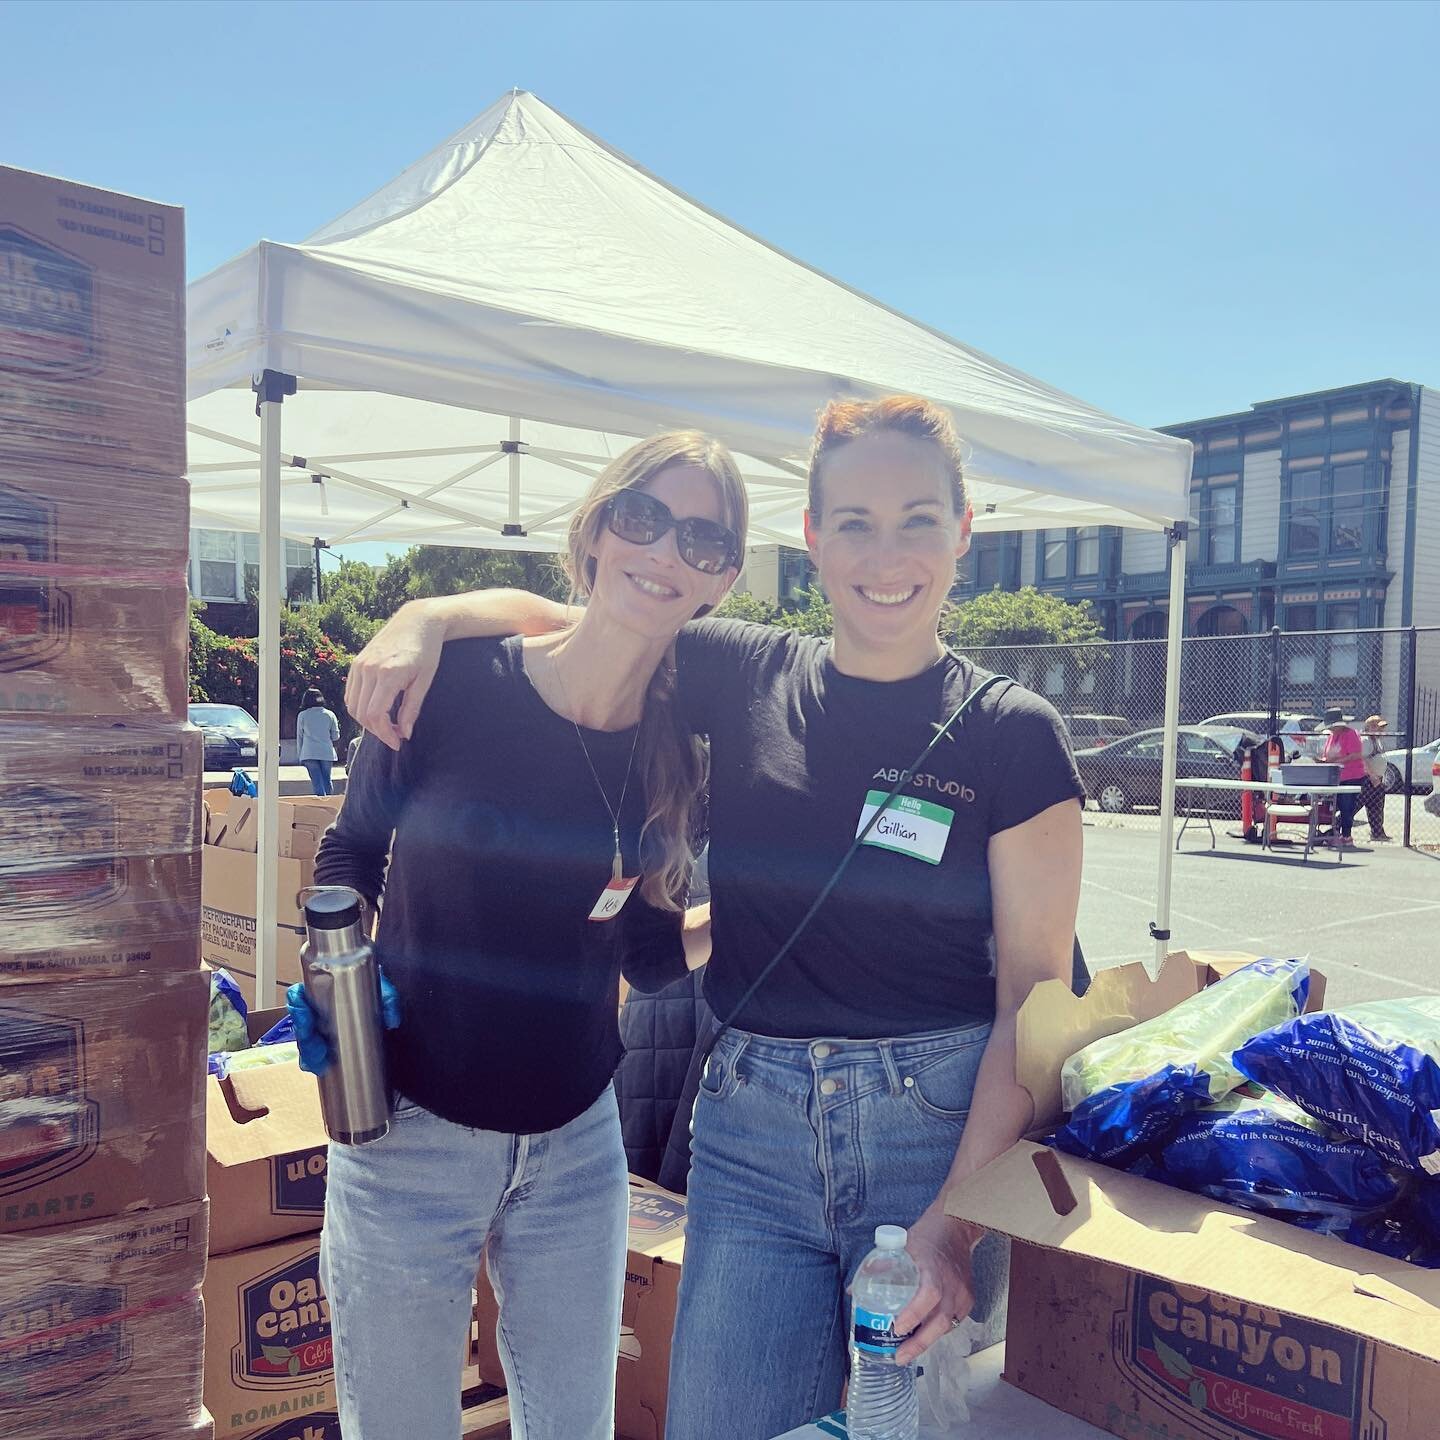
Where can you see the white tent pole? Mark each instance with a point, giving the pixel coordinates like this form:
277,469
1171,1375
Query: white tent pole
514,451
270,388
1160,926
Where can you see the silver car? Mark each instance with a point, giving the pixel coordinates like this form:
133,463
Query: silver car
1421,768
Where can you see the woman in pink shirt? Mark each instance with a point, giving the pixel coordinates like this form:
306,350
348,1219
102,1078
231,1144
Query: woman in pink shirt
1343,748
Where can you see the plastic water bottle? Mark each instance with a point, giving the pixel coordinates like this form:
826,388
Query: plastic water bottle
882,1402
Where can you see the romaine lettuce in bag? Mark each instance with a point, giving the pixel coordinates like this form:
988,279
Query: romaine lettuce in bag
1371,1071
1127,1091
1259,1151
227,1014
1199,1033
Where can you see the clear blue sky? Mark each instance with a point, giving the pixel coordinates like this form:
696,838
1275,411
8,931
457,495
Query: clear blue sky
1169,210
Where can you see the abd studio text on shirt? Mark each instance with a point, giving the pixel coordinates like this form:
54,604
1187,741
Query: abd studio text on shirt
923,780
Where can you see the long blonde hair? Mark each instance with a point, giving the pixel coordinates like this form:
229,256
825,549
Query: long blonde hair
673,763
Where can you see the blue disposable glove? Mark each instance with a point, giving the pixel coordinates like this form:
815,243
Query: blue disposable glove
311,1041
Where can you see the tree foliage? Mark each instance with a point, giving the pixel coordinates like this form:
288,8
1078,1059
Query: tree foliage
1019,617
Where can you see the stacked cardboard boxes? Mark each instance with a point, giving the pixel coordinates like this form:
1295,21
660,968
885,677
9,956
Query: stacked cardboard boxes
268,1368
227,934
102,1004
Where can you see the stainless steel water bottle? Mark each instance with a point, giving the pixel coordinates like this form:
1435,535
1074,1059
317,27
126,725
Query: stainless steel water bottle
342,982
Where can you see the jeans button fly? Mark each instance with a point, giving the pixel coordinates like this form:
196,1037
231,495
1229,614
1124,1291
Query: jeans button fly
822,1052
829,1087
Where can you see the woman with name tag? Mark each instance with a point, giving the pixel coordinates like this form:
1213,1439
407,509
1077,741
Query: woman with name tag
874,1066
538,827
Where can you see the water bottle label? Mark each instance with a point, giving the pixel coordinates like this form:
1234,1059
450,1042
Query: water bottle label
876,1332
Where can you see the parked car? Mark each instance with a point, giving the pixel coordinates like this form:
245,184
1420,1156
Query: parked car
1089,731
1422,769
1121,776
1305,733
232,735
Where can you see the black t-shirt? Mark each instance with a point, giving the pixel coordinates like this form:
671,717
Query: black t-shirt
501,847
902,946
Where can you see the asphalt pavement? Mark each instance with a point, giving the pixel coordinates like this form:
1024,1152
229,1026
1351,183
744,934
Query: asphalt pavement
1371,923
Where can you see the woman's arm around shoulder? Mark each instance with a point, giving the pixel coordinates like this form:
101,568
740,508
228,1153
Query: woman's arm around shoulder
400,661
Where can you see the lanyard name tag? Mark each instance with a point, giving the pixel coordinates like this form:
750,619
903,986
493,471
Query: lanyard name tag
613,897
909,826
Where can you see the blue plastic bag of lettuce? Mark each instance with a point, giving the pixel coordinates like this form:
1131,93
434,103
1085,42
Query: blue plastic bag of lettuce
1371,1071
1127,1092
1260,1152
1408,1231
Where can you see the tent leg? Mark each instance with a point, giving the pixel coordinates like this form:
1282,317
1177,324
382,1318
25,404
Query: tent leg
270,388
1160,925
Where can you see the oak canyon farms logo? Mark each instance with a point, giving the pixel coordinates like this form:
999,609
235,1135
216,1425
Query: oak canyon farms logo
297,1182
61,1339
1226,1368
51,1125
284,1328
35,614
59,852
47,308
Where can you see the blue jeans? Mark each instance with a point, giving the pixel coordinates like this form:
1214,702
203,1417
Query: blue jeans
406,1221
320,776
801,1148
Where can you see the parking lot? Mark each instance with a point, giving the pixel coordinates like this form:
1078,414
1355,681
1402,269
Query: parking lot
1371,923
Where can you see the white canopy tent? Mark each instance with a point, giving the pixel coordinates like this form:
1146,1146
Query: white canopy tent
457,356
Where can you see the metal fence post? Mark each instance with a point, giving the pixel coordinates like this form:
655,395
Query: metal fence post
1411,695
1274,696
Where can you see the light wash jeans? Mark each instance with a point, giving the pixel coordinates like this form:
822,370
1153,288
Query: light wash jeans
406,1220
320,783
801,1148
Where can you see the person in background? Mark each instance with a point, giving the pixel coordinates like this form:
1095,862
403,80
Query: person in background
1343,748
350,752
1372,787
316,731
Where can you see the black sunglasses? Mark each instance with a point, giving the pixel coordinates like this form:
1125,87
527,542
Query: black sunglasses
642,520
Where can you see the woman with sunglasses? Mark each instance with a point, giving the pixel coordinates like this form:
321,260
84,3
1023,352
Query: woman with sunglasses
531,841
875,1066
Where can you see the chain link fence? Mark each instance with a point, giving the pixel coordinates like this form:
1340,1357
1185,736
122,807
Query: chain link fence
1113,692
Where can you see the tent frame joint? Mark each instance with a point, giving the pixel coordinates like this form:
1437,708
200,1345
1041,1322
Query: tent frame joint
509,529
514,447
1177,532
271,388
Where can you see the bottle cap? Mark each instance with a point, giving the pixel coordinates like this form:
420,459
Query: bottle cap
890,1237
332,909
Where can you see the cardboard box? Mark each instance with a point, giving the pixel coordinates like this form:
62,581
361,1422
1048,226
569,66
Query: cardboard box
309,1425
227,918
652,1289
101,1093
233,821
1149,1311
94,506
99,850
267,1150
267,1339
102,1324
92,328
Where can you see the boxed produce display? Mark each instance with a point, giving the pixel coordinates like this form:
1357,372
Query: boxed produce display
652,1289
268,1356
101,1098
99,850
312,1425
1150,1310
100,1323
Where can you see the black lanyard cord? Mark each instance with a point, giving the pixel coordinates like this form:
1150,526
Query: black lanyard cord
941,732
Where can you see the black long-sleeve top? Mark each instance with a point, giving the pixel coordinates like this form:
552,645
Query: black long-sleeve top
501,847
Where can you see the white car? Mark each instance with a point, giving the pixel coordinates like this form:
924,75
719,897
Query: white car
1422,768
1305,733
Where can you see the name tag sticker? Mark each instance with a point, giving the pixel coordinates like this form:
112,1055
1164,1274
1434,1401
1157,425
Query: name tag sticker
909,826
614,895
